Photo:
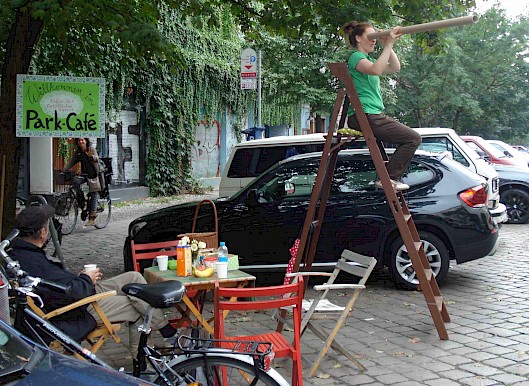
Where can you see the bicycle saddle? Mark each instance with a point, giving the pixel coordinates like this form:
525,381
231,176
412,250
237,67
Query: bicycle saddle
160,295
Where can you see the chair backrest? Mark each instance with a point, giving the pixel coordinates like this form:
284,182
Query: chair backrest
357,265
263,298
149,251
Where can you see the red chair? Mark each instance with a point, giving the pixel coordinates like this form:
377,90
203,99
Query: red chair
149,251
284,296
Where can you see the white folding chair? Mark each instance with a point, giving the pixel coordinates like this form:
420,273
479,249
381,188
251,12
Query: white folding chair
320,307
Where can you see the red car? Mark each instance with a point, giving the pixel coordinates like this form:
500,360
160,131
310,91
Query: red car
489,152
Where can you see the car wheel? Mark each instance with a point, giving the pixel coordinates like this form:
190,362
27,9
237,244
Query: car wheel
517,203
400,266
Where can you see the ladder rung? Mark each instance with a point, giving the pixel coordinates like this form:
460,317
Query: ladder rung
429,274
439,301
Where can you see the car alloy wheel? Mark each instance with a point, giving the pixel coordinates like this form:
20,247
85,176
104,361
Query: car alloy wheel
400,265
517,203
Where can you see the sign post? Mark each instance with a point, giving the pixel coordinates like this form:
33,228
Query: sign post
251,76
248,65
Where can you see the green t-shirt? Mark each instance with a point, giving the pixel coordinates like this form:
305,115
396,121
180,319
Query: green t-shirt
367,86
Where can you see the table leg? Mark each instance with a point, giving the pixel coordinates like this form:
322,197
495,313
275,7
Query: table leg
198,315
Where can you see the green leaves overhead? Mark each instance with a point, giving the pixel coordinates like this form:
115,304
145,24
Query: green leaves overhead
478,83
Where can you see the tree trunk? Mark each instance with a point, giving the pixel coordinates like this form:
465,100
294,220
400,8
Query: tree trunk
456,118
19,50
319,127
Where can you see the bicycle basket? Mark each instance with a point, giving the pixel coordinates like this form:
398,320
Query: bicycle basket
61,178
4,299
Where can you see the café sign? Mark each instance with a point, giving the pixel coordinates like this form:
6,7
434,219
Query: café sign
60,106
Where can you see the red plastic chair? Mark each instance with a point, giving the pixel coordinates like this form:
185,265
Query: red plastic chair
283,296
149,251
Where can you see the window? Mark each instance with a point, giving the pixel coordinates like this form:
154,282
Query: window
354,175
440,145
417,174
292,181
358,175
252,161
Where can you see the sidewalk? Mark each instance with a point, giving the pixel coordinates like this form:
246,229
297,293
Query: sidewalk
391,331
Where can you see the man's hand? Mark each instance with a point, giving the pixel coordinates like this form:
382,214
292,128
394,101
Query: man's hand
94,274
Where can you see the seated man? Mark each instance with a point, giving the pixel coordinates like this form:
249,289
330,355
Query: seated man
32,222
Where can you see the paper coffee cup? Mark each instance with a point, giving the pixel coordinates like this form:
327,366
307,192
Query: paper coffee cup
222,269
162,262
89,267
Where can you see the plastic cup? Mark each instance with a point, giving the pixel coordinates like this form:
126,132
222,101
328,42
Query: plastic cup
222,269
162,262
89,267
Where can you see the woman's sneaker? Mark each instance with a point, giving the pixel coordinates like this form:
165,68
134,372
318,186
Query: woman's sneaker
397,185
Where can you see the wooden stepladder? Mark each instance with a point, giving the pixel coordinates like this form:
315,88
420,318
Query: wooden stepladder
320,194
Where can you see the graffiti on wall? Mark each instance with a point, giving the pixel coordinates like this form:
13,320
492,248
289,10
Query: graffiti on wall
123,147
205,153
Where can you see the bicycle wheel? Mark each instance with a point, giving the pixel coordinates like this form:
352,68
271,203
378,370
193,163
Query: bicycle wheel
104,210
66,212
207,371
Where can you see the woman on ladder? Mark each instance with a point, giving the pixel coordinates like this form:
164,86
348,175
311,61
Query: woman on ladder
87,155
366,72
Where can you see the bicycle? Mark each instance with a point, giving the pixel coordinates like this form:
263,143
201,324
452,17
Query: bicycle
190,361
67,204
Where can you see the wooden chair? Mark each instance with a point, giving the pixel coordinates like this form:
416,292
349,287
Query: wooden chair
96,337
285,295
321,308
149,251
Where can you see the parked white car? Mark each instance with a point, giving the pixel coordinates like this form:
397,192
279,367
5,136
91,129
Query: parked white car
249,159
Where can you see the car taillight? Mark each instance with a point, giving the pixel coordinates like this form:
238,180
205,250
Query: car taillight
475,197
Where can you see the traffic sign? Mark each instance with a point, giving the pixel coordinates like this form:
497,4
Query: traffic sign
248,83
248,64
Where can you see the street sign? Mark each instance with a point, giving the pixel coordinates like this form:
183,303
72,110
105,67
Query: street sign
248,84
248,64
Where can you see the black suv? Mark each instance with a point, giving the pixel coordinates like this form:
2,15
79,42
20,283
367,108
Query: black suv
261,222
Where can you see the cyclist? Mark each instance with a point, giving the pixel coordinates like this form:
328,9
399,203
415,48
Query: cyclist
87,155
32,222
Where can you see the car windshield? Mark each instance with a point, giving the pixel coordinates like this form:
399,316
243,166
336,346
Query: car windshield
488,148
14,352
502,148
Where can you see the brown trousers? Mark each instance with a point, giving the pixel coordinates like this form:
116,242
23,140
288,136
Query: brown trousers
390,130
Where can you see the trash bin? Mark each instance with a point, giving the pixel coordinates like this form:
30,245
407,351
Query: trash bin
254,133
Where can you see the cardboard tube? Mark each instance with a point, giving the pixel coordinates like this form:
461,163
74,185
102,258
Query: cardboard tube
455,22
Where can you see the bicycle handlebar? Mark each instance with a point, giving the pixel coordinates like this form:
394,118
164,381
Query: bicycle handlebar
13,268
6,243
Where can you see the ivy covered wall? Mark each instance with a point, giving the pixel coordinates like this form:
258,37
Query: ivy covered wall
184,90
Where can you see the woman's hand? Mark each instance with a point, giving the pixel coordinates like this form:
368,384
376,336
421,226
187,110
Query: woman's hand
394,34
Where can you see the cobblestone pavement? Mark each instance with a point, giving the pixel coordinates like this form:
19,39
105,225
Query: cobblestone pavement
391,331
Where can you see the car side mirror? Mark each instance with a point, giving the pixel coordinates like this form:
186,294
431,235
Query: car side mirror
508,154
252,199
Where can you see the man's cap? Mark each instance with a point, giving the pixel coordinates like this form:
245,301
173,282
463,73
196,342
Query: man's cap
33,218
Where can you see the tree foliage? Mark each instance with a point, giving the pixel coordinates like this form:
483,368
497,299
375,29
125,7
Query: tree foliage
174,53
478,82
